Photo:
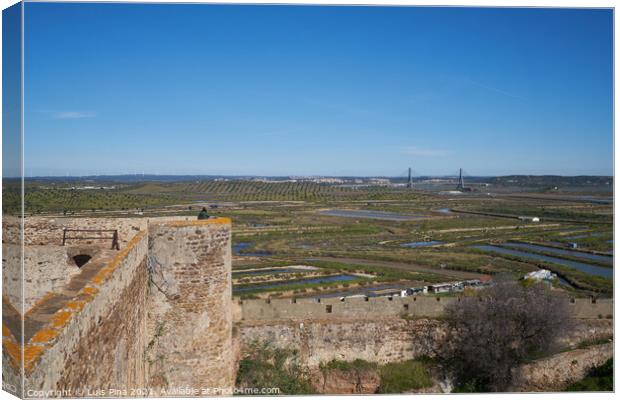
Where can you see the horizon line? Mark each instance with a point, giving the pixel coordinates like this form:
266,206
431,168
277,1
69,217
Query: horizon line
296,176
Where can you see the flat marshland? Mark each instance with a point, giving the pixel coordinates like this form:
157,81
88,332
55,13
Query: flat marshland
369,239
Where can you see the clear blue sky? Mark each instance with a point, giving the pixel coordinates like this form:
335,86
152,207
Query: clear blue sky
281,90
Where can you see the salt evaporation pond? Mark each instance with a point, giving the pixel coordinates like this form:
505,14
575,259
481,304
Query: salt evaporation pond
585,235
266,271
388,216
553,250
274,270
237,247
322,279
421,244
587,268
368,291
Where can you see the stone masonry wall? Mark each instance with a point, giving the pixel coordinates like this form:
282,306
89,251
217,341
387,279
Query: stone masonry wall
379,307
110,354
12,274
378,329
379,340
96,341
157,315
554,373
320,341
42,231
12,303
190,310
46,269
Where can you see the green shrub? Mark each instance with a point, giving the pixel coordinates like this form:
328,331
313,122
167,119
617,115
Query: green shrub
599,379
472,386
592,342
404,376
268,367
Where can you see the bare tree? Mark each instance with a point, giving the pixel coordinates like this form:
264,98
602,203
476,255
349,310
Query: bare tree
499,329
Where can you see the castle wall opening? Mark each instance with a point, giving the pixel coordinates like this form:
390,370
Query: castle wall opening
81,259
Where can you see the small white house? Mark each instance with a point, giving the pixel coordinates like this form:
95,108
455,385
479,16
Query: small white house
441,288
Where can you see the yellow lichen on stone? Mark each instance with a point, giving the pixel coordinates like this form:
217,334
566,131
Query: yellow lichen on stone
76,305
90,290
107,271
219,221
14,351
60,318
31,355
44,336
102,275
135,240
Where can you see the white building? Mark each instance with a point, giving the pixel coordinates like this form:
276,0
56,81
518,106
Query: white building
529,219
540,275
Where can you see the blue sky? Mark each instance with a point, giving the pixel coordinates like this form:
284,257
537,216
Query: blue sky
11,91
281,90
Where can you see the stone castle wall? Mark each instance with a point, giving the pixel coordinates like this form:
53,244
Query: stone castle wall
320,341
42,231
155,314
96,340
380,307
46,268
47,263
554,373
379,329
46,231
380,340
190,307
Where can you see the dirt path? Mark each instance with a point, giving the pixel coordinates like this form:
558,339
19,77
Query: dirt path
401,266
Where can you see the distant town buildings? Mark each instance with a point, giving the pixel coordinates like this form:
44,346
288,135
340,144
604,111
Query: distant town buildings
92,187
379,181
327,180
